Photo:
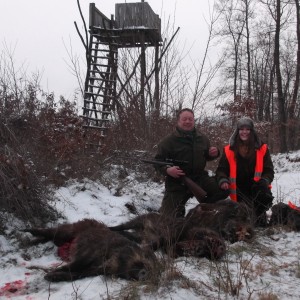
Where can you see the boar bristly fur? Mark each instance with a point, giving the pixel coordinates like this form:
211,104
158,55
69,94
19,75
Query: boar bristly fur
96,250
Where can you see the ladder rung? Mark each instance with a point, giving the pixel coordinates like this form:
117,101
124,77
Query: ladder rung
101,72
101,79
100,111
94,127
95,119
108,80
104,57
94,86
97,103
100,65
96,71
104,50
100,95
97,86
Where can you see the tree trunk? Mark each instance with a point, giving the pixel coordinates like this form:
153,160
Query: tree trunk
293,124
248,49
281,97
156,89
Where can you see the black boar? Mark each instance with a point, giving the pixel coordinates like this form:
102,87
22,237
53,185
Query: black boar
230,219
152,229
200,242
64,233
284,214
174,236
96,250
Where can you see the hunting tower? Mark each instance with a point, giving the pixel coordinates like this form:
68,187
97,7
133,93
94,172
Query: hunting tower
134,25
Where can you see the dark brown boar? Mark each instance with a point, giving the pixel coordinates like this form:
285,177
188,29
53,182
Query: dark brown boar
96,250
152,229
283,214
200,242
174,236
62,234
230,219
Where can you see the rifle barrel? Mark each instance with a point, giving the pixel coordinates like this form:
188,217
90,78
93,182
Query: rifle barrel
157,162
167,162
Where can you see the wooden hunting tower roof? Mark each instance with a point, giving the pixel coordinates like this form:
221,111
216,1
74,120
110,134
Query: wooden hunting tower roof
134,24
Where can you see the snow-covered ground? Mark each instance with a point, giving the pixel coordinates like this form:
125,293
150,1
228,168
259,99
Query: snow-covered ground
266,268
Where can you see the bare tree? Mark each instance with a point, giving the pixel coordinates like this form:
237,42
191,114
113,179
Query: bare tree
281,98
232,26
263,67
294,106
204,74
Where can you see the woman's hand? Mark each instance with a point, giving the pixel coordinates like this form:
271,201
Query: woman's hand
224,186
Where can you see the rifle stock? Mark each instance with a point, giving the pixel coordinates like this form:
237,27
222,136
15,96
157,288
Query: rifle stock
194,188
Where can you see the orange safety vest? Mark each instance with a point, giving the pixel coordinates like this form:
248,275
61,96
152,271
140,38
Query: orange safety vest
293,206
260,153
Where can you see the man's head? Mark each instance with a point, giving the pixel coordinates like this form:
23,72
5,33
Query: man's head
186,119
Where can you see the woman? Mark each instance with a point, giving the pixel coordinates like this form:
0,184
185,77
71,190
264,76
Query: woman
246,169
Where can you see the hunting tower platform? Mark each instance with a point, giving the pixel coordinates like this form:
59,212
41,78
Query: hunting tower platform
135,25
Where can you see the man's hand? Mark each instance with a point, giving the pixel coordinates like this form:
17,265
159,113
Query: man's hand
213,152
175,172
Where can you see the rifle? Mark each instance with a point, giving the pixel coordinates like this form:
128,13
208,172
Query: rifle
194,188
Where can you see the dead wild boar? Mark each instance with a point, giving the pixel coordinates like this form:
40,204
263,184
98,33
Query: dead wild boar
173,236
283,214
63,233
151,229
96,250
230,219
200,242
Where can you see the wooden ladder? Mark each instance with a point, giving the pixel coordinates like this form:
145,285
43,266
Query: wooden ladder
100,84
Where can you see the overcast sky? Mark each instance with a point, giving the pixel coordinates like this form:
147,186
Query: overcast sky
38,29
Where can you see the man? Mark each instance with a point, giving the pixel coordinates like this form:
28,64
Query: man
186,144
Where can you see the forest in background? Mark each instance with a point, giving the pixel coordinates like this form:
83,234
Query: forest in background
250,66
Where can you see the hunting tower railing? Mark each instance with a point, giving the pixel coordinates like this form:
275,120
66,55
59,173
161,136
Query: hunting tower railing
135,25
